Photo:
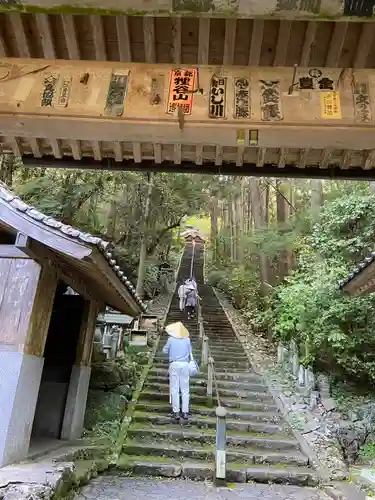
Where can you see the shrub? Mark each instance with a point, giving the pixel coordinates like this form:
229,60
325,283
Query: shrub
215,277
310,308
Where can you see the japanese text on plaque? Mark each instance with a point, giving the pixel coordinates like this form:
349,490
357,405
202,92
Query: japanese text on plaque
362,103
241,98
217,97
181,90
330,105
270,102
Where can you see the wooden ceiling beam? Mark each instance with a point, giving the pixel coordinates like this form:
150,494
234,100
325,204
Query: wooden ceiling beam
336,45
70,35
19,33
308,43
149,39
281,54
176,40
204,40
256,42
229,41
123,37
45,35
98,37
364,45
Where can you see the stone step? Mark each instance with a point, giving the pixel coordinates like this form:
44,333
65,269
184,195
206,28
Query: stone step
222,374
196,390
202,382
160,356
215,351
204,400
188,433
199,470
220,334
202,422
179,450
217,342
220,365
247,416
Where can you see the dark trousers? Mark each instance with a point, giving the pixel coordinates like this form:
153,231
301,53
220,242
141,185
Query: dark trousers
190,310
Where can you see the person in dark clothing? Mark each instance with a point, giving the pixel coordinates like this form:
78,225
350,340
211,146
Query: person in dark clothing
191,302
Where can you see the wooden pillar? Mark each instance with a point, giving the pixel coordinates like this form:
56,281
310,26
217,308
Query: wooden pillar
26,298
80,377
41,315
86,335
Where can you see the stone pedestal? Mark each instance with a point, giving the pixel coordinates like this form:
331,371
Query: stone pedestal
280,353
302,376
76,402
20,376
310,380
286,359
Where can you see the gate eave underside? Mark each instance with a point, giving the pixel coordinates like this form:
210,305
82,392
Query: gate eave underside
229,32
89,114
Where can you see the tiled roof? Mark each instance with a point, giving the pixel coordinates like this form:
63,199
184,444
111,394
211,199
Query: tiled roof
104,246
361,266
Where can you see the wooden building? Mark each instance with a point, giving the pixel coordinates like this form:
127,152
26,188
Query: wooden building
46,333
362,280
193,235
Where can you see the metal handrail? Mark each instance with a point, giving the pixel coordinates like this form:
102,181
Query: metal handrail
207,359
211,363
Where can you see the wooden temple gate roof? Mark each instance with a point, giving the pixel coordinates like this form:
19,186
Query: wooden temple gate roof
85,262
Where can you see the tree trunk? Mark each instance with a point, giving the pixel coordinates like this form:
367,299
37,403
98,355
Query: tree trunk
143,247
235,229
7,167
258,224
240,208
316,187
225,229
266,205
291,256
214,226
281,218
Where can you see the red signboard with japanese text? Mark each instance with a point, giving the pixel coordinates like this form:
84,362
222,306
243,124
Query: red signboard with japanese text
181,90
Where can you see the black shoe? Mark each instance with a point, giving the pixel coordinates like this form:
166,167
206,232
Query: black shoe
175,418
185,418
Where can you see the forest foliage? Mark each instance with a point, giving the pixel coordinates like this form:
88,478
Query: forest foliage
320,246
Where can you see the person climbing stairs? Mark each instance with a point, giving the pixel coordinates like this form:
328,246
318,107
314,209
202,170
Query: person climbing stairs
260,445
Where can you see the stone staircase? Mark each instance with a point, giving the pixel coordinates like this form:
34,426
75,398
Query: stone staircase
260,446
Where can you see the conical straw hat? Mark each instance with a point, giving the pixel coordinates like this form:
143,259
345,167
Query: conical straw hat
177,331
